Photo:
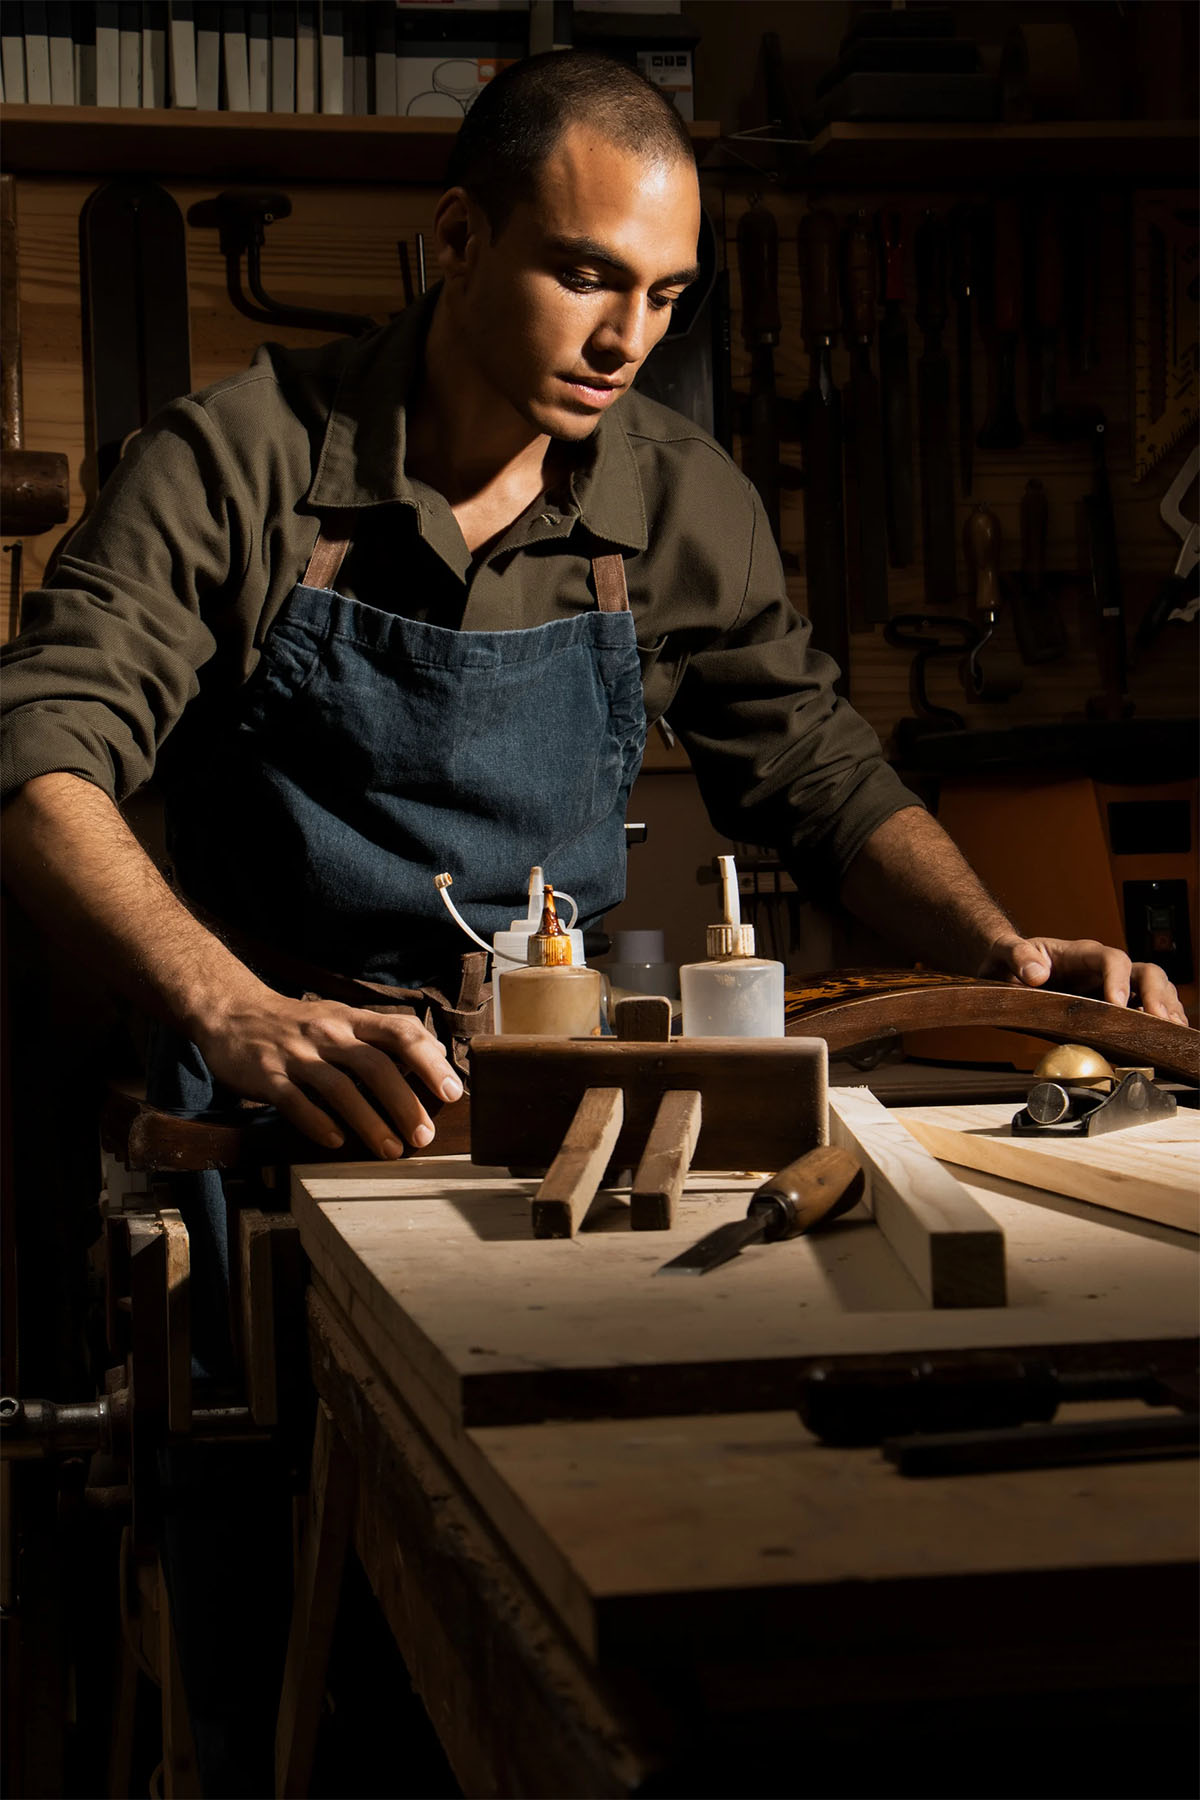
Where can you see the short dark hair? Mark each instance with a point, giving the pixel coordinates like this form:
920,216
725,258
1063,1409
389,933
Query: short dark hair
522,112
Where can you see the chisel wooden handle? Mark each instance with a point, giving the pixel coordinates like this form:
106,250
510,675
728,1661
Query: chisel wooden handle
758,269
859,280
817,242
981,544
821,1185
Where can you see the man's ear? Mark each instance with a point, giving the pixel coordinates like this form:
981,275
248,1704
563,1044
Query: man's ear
456,225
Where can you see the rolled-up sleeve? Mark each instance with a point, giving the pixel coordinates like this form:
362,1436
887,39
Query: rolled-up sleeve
782,760
110,649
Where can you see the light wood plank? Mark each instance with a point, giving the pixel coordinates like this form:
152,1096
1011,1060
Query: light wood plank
1150,1171
179,1317
951,1247
573,1177
663,1169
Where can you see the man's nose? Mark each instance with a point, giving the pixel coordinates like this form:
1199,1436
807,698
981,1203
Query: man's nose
627,332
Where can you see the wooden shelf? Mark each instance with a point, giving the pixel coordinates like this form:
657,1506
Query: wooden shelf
223,146
949,155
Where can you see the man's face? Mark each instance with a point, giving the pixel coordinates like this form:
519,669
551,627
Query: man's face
559,312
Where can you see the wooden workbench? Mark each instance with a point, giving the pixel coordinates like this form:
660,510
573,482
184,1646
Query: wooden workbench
615,1561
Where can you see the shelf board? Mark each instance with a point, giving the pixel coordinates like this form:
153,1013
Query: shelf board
241,147
896,154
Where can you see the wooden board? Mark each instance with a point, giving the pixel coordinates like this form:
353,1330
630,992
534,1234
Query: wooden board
1150,1171
478,1323
951,1247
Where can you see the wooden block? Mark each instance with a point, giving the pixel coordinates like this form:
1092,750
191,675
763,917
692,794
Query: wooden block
573,1177
764,1098
951,1247
179,1320
646,1020
270,1248
1149,1171
663,1169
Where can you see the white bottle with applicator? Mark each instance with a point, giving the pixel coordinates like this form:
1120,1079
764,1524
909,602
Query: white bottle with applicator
510,949
733,993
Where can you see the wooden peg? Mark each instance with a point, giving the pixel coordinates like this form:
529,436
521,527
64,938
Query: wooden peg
573,1177
645,1020
665,1161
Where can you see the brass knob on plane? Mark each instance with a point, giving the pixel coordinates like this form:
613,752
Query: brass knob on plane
1076,1064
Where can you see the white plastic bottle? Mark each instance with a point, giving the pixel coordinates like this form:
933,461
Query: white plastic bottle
733,993
551,997
510,948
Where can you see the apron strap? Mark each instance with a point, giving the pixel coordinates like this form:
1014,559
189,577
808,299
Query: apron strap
329,551
608,573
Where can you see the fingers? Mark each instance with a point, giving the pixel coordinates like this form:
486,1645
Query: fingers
414,1048
1157,993
403,1112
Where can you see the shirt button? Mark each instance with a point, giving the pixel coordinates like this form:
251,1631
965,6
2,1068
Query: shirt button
549,518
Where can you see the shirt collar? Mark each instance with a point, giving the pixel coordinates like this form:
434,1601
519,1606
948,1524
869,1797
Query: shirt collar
362,456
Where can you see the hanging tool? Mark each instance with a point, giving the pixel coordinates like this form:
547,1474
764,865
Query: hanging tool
240,220
1001,307
134,288
824,532
866,535
34,484
1114,702
1166,315
1176,598
821,1185
896,384
933,409
963,228
758,269
1037,621
1045,314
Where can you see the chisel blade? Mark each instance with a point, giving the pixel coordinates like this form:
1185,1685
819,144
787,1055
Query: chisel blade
719,1246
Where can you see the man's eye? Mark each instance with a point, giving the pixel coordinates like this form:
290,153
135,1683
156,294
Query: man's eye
662,302
579,282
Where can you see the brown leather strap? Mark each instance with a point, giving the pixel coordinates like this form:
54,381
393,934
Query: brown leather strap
329,551
608,573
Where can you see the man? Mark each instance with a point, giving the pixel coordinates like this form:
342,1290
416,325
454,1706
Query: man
430,683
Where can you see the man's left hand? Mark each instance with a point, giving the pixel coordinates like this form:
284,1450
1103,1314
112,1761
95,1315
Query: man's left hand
1083,966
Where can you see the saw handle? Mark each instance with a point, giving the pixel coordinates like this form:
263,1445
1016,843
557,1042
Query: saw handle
758,269
821,1185
817,241
859,279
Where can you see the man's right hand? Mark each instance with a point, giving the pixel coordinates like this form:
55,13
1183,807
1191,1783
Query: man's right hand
326,1066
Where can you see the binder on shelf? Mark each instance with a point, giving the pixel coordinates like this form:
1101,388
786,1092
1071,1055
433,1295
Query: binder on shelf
62,55
283,58
37,52
181,53
384,57
12,52
129,18
208,55
108,54
83,32
356,98
154,53
306,56
332,57
233,58
258,56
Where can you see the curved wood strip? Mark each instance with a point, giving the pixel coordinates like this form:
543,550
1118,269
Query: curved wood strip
865,1004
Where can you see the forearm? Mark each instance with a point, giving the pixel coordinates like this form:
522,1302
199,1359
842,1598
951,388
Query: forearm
911,883
72,861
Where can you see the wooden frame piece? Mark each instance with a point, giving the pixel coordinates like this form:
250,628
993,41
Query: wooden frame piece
573,1177
951,1247
666,1159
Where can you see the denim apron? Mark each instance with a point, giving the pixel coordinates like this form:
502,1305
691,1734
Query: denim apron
369,752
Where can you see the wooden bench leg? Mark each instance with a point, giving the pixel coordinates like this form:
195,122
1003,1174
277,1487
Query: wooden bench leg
181,1776
314,1611
663,1169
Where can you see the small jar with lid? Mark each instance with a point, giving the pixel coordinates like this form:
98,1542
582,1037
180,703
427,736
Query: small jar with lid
550,997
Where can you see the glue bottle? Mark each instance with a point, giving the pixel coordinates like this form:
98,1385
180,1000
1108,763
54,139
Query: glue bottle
733,993
551,996
510,948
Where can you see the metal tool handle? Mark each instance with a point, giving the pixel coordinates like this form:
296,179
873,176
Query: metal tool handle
858,282
821,1185
758,268
931,249
817,242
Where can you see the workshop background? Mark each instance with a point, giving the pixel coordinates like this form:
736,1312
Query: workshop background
1031,669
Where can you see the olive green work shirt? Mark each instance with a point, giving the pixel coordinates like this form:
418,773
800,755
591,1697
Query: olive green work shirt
170,586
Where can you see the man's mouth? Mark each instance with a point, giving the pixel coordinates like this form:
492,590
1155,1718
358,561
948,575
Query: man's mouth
594,389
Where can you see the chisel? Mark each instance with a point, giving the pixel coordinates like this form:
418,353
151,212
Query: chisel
896,383
933,412
758,269
866,537
821,432
821,1185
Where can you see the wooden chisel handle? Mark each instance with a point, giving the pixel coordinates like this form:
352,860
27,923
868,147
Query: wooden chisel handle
860,278
821,1185
817,242
981,545
758,268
